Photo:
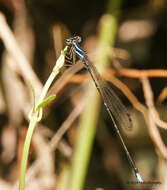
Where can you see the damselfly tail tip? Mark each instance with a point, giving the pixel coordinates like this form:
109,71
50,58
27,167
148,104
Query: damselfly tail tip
139,178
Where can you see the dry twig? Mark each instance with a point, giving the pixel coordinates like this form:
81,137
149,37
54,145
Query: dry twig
13,48
153,130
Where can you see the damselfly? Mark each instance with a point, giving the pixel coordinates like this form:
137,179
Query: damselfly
115,108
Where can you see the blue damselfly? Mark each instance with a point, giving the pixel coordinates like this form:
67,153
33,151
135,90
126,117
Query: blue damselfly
115,108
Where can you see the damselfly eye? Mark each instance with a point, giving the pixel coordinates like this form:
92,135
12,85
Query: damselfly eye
68,41
79,39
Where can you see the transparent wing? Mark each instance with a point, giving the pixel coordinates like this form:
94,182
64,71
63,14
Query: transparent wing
118,110
116,107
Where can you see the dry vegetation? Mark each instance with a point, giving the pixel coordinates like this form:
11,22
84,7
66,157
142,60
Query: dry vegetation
127,42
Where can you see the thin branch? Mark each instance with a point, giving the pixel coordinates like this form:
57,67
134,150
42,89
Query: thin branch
13,48
130,73
153,130
162,96
66,124
150,103
134,73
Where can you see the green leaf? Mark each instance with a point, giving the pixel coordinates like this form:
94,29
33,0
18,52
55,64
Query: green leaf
45,102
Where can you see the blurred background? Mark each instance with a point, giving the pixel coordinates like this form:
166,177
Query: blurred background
127,42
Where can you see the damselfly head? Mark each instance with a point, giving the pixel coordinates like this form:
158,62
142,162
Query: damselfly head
75,39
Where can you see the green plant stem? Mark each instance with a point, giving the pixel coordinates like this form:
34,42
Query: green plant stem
35,117
52,76
26,148
87,130
85,138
